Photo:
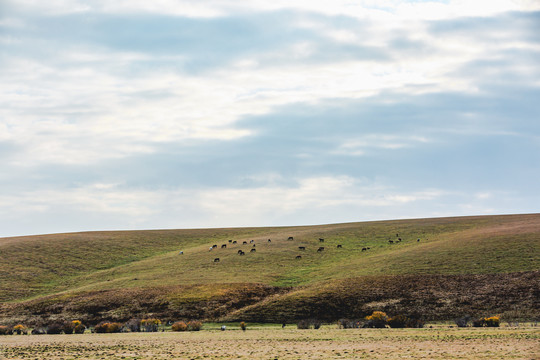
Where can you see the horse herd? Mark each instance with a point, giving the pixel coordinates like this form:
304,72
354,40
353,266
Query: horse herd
253,249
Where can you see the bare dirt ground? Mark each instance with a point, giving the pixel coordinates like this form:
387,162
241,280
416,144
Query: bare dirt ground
440,342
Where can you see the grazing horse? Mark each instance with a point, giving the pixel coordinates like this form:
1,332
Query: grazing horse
181,253
214,246
298,257
254,245
418,239
339,246
320,249
290,238
391,241
216,260
251,241
234,242
244,242
321,240
223,246
364,249
253,250
301,248
269,240
230,241
240,252
399,239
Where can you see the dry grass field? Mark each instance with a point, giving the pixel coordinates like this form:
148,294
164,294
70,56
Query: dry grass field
272,342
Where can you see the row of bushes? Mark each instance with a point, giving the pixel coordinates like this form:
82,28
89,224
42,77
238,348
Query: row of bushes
193,325
465,321
70,327
379,320
59,327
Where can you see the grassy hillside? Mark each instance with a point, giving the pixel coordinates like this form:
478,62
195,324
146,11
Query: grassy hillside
66,270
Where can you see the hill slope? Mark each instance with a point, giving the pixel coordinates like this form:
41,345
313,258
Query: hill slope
490,263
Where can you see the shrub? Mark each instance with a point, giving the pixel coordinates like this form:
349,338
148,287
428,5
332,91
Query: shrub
398,321
150,325
243,326
133,325
78,327
55,328
5,330
108,327
194,325
493,321
68,327
20,329
415,323
376,320
463,321
303,324
179,326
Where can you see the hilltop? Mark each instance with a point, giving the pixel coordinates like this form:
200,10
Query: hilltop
439,268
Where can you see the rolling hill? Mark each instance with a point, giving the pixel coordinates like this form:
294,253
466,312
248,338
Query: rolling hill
440,269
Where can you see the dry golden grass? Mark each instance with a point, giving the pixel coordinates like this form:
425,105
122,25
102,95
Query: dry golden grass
329,342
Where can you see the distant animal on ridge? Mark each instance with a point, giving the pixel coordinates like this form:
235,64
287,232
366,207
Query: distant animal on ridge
320,249
298,257
223,246
339,246
301,248
321,240
290,238
216,260
253,250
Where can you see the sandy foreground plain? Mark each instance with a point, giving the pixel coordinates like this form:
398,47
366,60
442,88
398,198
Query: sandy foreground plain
272,342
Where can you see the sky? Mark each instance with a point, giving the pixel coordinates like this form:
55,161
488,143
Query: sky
220,113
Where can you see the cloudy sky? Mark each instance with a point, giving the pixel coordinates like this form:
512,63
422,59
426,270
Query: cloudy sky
181,114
